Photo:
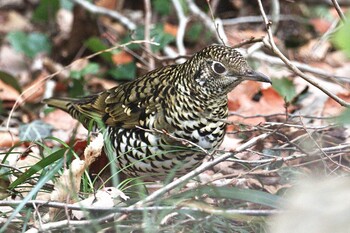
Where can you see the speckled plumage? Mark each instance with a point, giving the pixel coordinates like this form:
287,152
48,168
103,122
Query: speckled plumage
186,101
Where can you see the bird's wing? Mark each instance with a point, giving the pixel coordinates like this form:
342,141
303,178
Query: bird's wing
129,109
131,104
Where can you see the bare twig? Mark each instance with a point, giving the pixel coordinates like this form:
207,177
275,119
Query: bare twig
60,205
331,150
280,114
258,19
320,149
199,170
304,67
339,11
208,22
270,43
183,20
247,41
148,17
103,11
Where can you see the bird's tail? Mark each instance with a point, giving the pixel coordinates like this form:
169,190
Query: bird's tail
82,109
61,103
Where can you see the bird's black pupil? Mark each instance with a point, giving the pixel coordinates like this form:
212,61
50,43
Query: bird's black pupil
218,68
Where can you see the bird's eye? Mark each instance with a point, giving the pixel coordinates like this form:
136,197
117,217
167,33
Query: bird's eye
218,68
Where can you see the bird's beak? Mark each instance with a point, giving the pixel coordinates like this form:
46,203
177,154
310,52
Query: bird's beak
257,76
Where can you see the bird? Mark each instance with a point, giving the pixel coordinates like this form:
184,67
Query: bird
165,121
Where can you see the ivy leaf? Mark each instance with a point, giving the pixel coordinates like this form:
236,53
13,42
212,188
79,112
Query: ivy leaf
344,117
284,87
95,44
124,72
162,7
46,10
30,44
35,130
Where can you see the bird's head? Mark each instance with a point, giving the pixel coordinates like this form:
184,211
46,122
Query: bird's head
219,69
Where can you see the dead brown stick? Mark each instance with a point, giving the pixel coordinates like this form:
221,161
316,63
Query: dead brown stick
270,43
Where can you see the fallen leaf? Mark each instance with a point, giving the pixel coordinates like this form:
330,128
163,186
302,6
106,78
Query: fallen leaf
7,92
332,108
170,29
7,139
14,22
122,58
34,92
321,25
270,102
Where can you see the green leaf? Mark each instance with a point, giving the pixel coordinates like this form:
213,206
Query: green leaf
77,88
33,192
344,118
341,38
284,87
10,80
162,7
46,10
90,68
34,131
95,44
160,37
157,34
124,72
194,32
30,44
249,195
38,166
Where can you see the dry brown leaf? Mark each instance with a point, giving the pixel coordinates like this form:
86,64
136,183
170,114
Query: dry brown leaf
34,92
332,108
122,58
69,183
13,21
170,29
321,25
7,92
269,103
7,139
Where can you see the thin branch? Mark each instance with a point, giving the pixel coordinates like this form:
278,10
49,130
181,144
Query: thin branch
320,149
103,11
270,43
207,21
258,19
331,150
304,67
183,20
199,170
148,17
280,114
60,205
339,11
